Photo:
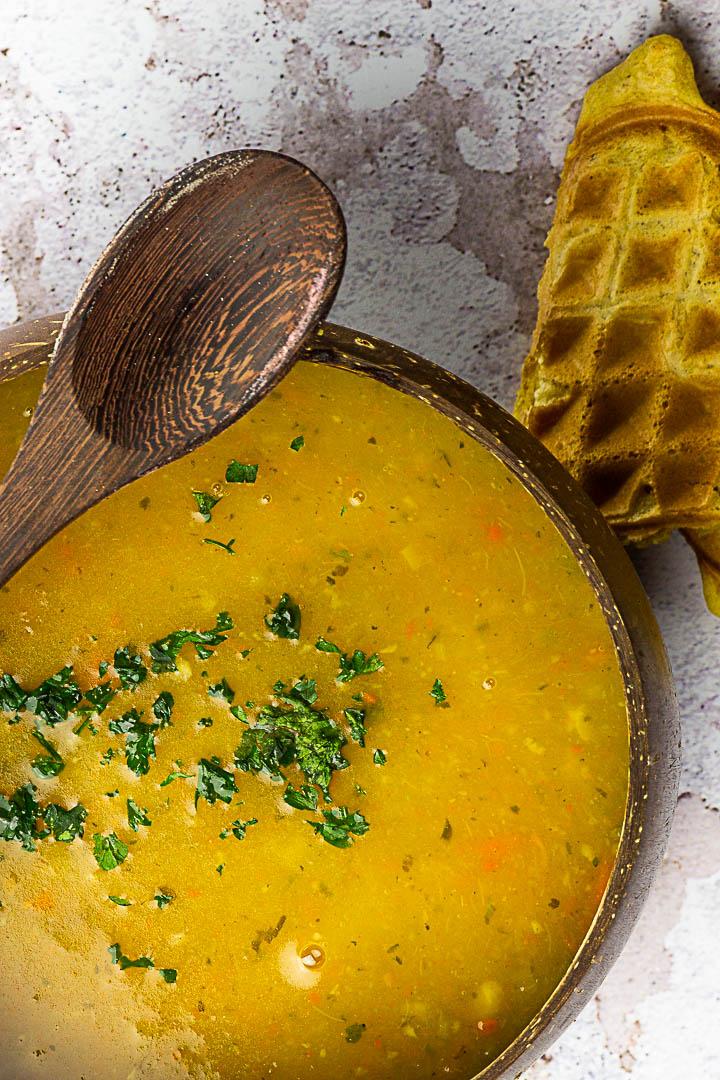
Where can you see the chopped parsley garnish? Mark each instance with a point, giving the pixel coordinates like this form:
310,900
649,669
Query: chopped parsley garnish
239,713
43,765
118,957
54,699
237,473
163,707
136,815
205,721
297,732
109,852
218,543
165,651
355,718
222,690
238,828
220,868
304,799
139,740
100,696
163,900
379,757
12,695
103,668
120,901
358,664
130,668
65,824
340,825
175,776
437,692
284,621
205,503
298,442
354,1032
326,646
214,782
19,816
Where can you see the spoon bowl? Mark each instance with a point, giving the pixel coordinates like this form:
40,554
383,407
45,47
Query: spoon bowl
193,312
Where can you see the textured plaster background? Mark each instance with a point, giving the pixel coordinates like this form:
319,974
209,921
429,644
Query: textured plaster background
441,125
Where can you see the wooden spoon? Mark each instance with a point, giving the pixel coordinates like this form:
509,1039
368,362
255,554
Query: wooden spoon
193,312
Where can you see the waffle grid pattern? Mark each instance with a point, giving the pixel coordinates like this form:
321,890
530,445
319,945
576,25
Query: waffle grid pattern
625,366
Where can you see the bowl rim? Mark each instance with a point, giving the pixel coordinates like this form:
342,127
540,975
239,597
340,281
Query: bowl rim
653,721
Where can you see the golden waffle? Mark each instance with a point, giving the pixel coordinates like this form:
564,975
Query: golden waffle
622,382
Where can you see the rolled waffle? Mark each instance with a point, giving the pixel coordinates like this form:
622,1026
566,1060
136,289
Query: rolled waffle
622,382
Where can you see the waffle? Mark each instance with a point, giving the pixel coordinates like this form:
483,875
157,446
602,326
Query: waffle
622,382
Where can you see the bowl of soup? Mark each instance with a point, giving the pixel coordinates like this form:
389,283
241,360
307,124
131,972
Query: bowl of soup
344,746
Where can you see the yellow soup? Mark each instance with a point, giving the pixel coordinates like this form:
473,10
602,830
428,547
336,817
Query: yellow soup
328,785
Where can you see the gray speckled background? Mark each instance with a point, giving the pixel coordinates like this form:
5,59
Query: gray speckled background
441,125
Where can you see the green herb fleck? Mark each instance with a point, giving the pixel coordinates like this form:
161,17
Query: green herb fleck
46,766
54,699
304,799
298,442
220,868
239,713
65,824
175,776
100,696
129,667
340,826
358,664
437,692
237,473
109,851
355,718
218,543
354,1032
489,912
163,707
139,740
238,829
165,651
136,815
284,621
379,757
19,816
103,668
205,503
222,690
326,646
214,782
12,695
163,900
205,721
120,901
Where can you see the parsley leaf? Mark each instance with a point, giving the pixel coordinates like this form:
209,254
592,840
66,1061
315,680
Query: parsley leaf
163,707
168,974
117,956
218,543
326,646
238,828
379,757
18,817
304,799
120,901
136,815
236,473
222,690
354,1032
55,698
205,503
239,713
175,776
284,621
109,852
129,667
165,651
46,766
340,826
12,695
100,696
358,664
437,692
205,721
65,824
163,900
139,740
298,442
214,782
355,718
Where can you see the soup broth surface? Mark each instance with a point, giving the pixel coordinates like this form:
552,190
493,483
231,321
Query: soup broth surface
180,934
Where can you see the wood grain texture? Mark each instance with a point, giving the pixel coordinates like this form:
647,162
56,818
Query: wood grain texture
193,312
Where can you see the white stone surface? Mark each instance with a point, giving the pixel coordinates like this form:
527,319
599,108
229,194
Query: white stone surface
442,125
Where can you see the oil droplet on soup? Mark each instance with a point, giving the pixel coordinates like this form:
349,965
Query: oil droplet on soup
262,815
